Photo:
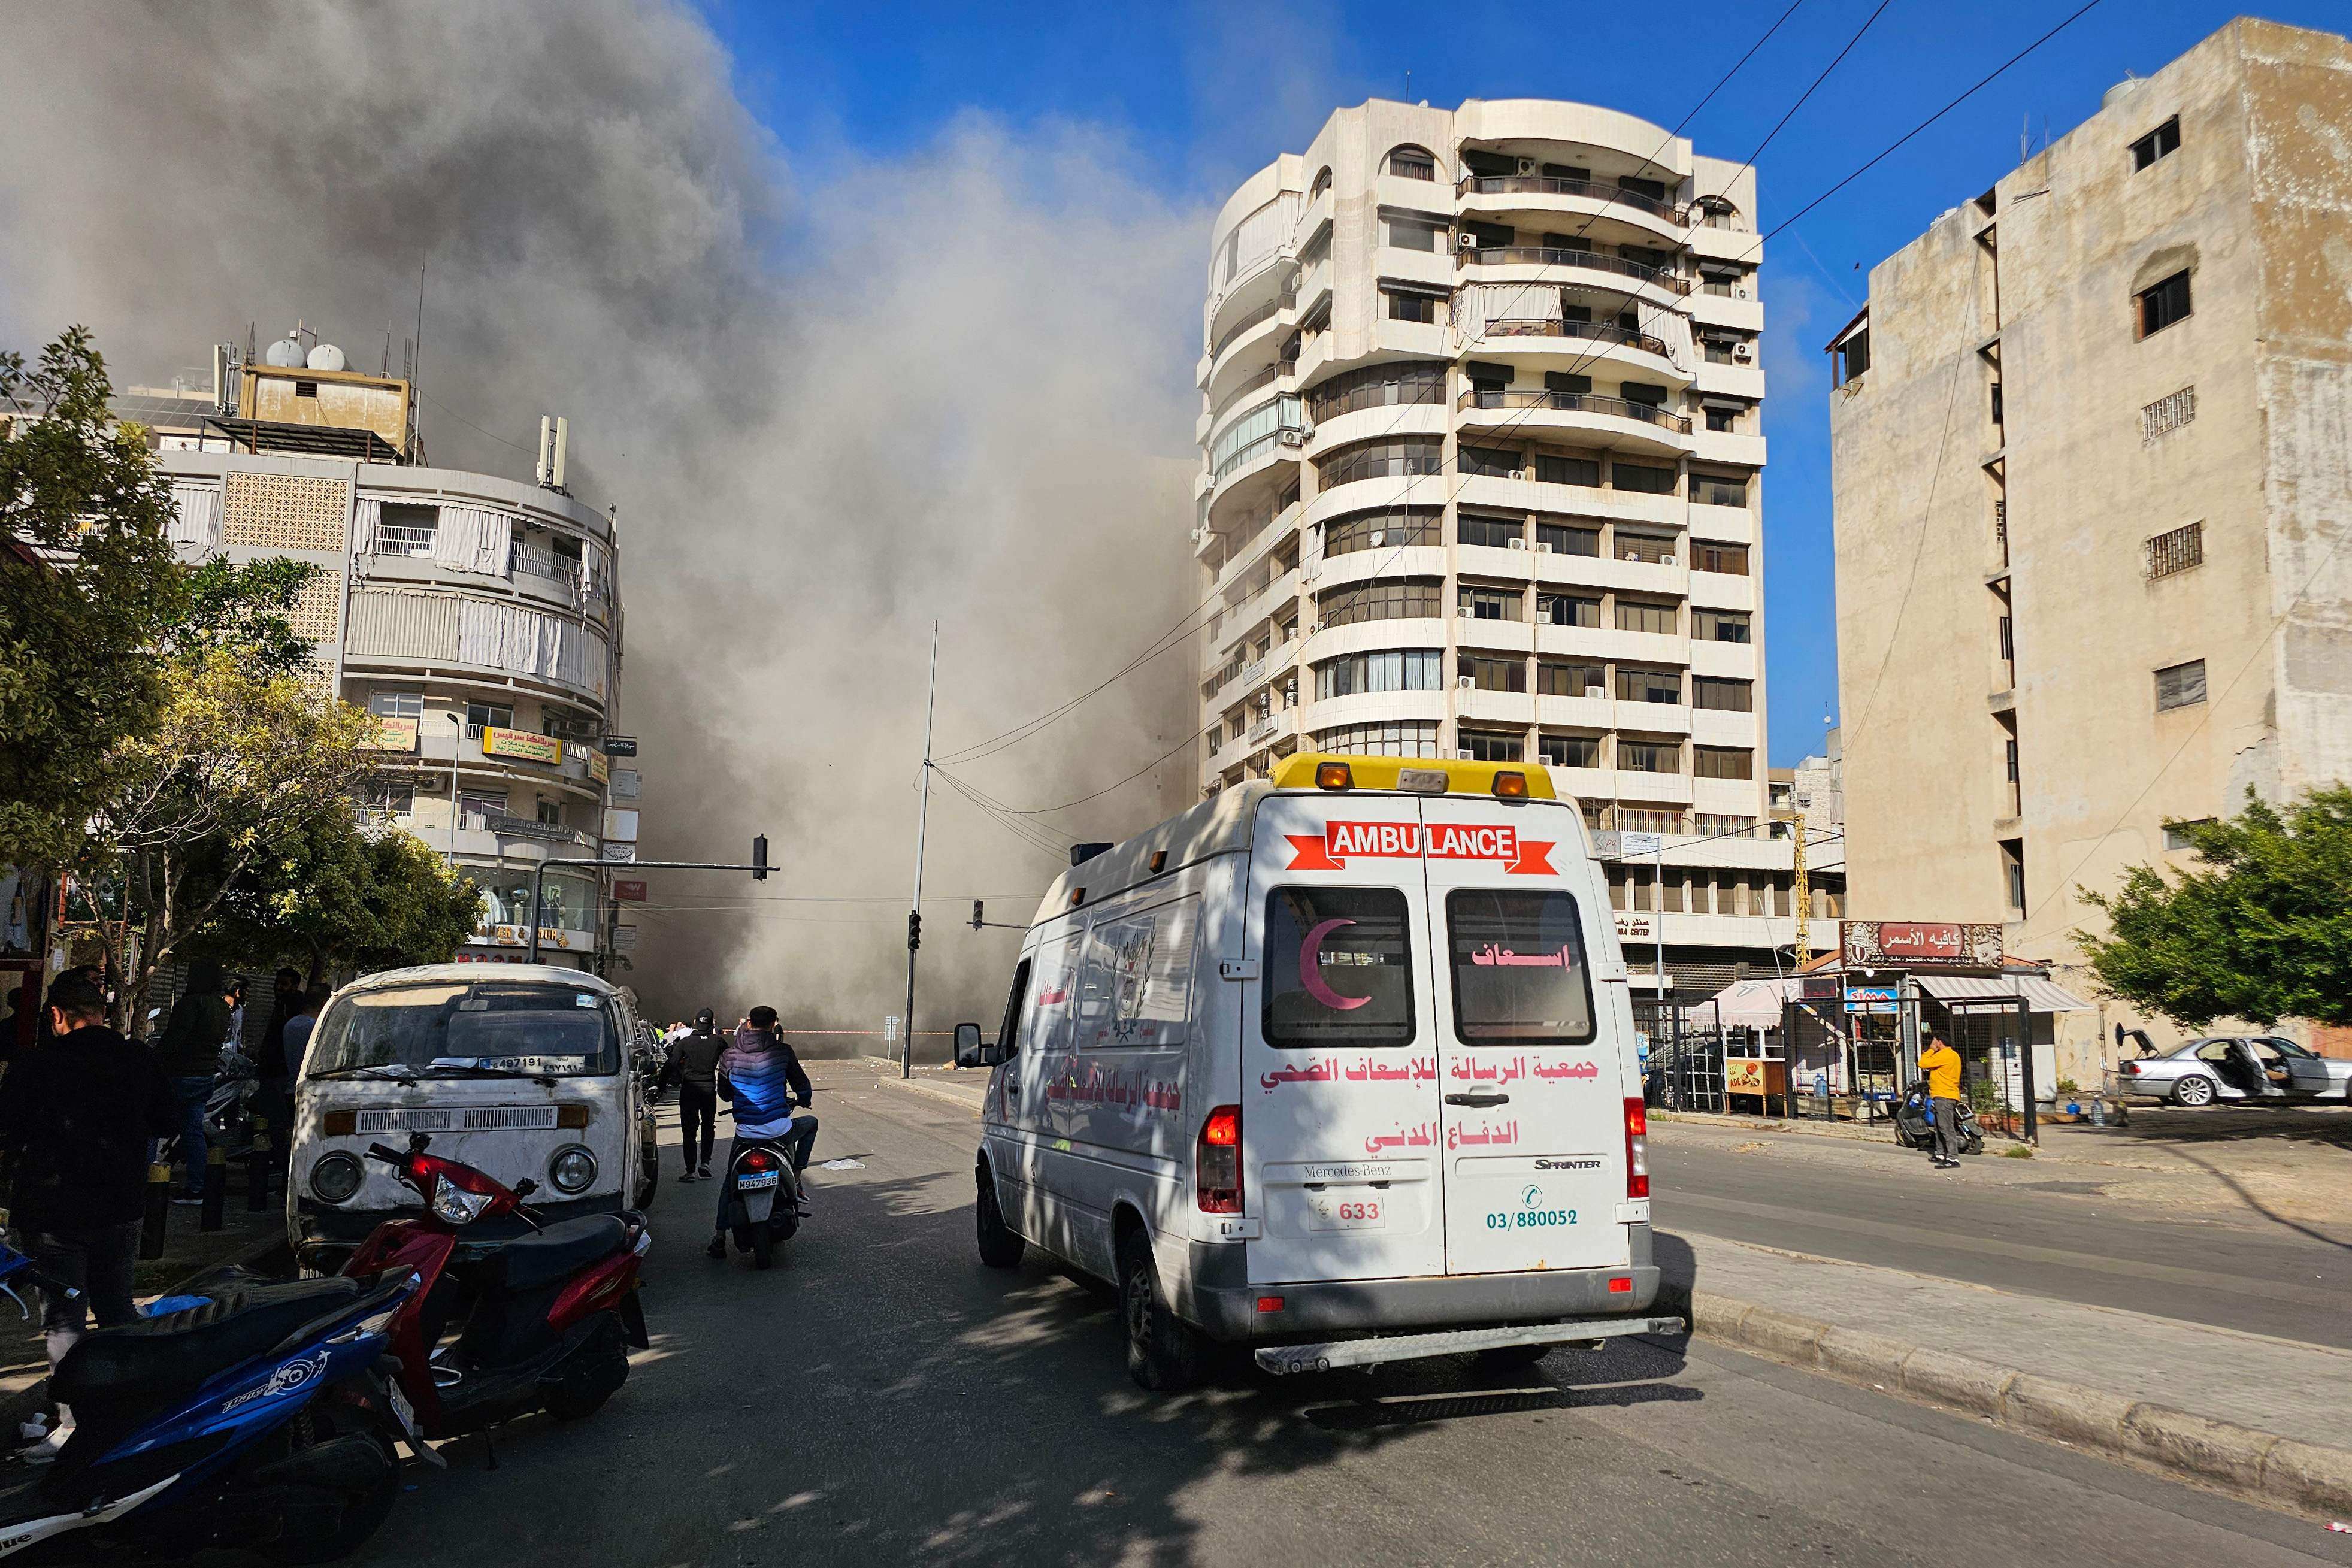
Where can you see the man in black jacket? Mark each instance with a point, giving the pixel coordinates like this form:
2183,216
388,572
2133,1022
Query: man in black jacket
76,1115
694,1068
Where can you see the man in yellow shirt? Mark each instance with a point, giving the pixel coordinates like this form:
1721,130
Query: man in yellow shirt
1941,1065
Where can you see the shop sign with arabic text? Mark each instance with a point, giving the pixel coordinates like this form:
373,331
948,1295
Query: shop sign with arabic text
1919,944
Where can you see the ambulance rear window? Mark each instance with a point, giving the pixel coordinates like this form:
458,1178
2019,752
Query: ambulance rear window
1519,975
1339,967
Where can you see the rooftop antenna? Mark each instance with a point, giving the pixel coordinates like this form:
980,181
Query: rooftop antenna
2025,138
415,365
383,367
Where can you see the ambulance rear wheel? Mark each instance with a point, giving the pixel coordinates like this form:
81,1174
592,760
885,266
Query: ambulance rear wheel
1000,1245
1164,1354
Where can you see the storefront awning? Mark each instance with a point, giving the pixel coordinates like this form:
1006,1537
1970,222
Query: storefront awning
1744,1005
2040,995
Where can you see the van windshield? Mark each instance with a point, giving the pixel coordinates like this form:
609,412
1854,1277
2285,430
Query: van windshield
1519,975
1339,967
485,1028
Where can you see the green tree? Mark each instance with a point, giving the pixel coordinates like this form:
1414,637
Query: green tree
338,893
2259,929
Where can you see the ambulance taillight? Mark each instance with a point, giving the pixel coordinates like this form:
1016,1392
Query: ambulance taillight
1217,1161
1637,1148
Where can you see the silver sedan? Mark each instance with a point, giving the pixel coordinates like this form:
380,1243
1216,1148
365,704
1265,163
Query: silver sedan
2236,1067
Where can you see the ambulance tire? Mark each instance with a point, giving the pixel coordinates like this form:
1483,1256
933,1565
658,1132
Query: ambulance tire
1000,1245
1164,1354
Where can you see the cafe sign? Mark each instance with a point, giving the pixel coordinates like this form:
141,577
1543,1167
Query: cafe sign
520,744
1918,945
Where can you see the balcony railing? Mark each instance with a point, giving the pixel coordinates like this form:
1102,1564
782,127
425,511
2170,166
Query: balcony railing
1593,332
1590,260
1573,403
1259,317
1266,377
1550,185
1251,451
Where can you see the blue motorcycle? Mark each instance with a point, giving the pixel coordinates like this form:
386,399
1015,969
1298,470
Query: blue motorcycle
259,1417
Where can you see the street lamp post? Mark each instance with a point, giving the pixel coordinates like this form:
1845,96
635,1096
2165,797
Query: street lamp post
457,745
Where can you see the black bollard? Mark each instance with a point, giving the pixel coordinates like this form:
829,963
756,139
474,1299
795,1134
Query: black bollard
215,1188
159,1210
257,1167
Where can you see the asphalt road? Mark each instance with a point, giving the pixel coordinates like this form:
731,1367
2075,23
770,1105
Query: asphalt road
880,1398
2039,1229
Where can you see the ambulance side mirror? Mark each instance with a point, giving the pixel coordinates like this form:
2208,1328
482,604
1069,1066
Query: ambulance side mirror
970,1052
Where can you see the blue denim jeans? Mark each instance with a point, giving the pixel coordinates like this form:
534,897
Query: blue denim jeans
193,1092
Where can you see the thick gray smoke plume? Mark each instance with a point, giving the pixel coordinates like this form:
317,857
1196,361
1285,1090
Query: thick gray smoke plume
830,405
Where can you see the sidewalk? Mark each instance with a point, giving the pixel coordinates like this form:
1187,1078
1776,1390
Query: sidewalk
2262,1416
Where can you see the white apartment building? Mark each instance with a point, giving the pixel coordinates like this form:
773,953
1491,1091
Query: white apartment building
478,617
1482,478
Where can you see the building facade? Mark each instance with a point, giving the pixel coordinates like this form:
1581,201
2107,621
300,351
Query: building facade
477,617
1482,474
2092,462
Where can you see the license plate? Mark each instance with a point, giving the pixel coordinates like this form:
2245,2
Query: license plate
401,1408
754,1183
1325,1212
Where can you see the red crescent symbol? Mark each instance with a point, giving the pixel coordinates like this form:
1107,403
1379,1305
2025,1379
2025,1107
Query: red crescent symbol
1310,956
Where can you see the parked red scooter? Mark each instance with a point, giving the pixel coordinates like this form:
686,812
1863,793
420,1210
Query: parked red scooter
544,1321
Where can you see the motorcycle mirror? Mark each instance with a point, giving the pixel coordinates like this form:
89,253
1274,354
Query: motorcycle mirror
419,1142
525,1187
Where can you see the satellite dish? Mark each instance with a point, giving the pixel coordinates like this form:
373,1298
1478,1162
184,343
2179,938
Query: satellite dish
286,354
326,356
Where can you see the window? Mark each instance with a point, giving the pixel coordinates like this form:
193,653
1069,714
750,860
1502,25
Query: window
2165,414
1136,988
1493,603
2180,835
1380,741
1642,616
1563,539
1380,459
1411,233
1322,183
1731,560
2176,550
1413,163
1723,695
2160,143
1649,756
1571,678
2181,685
385,796
1722,285
1718,350
1649,684
487,715
1719,626
1403,670
549,813
1490,674
1403,305
1337,968
1649,393
1495,533
1719,489
1558,471
1633,545
1723,419
1490,748
2012,865
1996,403
1491,461
479,804
1378,386
1570,751
396,704
1382,531
306,389
1380,602
1568,610
403,529
1642,477
1543,996
2162,304
1654,190
1722,763
1853,357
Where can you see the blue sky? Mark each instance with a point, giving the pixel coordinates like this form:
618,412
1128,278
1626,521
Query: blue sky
1199,95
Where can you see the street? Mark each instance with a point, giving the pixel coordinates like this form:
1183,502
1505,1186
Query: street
880,1397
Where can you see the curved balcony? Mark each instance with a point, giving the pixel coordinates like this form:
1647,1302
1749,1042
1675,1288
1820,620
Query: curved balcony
1558,194
1250,479
1584,261
1541,343
1634,425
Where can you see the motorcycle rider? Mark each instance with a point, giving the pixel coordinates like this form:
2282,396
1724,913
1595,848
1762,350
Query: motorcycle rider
693,1067
759,1075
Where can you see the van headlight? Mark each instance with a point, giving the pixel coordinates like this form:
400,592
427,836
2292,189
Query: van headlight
335,1177
572,1170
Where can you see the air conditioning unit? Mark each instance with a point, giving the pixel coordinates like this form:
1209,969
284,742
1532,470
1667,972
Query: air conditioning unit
1744,354
1465,755
1543,547
1596,693
1466,682
1313,627
1739,292
1665,560
1469,613
1294,437
1527,165
1519,544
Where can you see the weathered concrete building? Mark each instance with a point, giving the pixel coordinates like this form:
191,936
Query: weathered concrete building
2093,464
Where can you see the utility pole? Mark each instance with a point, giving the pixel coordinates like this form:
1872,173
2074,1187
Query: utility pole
922,824
1805,890
456,746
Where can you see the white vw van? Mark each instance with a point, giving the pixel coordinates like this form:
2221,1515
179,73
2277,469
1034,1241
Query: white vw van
1341,1064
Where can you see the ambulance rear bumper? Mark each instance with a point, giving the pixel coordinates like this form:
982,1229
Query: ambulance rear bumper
1225,1305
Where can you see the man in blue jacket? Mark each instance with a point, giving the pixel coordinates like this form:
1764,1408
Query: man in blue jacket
759,1075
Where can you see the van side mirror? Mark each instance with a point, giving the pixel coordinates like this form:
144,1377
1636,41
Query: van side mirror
970,1053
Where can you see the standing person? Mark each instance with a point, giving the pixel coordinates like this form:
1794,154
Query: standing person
77,1113
759,1075
693,1067
234,1037
301,1026
1941,1064
277,1083
189,1052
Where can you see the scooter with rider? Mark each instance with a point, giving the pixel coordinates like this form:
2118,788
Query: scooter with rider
762,1199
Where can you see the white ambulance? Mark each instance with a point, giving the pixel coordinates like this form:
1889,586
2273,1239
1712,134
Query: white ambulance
1338,1064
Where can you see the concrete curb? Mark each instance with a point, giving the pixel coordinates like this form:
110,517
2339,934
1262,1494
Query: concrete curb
936,1091
2307,1478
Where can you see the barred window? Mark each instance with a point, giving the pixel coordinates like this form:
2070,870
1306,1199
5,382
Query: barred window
2165,414
1487,674
1650,756
2181,685
1713,822
1484,747
2176,550
1723,695
1399,669
1565,539
1723,762
1380,741
1556,678
1391,529
1380,602
1379,459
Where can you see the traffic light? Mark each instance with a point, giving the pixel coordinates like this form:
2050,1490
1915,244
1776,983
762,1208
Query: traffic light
979,915
914,929
759,859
